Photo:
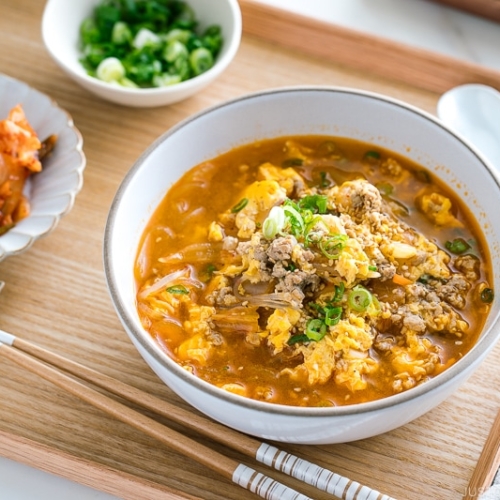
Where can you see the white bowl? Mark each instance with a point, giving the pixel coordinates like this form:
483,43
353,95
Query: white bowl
298,111
51,192
61,32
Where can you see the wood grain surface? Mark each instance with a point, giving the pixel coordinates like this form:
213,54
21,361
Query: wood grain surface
374,55
56,296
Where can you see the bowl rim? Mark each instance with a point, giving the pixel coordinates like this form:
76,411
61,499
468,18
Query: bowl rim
221,62
482,347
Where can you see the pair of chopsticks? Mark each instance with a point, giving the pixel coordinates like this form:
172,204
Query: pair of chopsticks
45,363
488,464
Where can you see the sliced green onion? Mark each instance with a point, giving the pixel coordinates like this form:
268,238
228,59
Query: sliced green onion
292,162
331,246
424,278
296,220
89,32
317,203
324,180
298,338
186,17
374,308
201,60
240,205
487,295
339,292
165,80
145,37
178,34
457,246
175,50
371,156
372,268
178,289
385,188
269,229
423,175
359,299
126,82
121,33
315,329
208,272
332,315
274,223
150,38
110,70
212,39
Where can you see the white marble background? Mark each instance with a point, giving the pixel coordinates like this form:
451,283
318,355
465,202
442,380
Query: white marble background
419,23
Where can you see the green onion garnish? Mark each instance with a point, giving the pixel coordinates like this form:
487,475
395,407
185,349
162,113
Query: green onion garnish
298,338
423,175
385,188
359,298
317,203
240,205
274,223
151,43
332,245
487,295
324,182
332,315
178,289
371,156
315,329
339,292
457,246
292,162
296,220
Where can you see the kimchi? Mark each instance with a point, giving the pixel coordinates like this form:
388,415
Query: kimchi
21,152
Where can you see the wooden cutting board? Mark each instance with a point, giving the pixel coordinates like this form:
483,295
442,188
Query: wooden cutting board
56,296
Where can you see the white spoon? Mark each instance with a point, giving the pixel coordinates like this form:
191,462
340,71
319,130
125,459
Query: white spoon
473,111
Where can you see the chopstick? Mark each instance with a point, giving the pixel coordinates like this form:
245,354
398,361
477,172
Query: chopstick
487,465
27,355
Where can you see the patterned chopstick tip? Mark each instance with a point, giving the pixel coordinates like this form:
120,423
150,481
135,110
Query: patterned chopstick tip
316,476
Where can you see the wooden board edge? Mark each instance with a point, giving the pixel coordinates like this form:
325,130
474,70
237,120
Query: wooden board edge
84,472
490,9
411,65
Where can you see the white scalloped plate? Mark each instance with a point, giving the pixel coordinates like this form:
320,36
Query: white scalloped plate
51,192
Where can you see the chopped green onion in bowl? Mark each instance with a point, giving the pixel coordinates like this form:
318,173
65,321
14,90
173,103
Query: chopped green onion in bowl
146,43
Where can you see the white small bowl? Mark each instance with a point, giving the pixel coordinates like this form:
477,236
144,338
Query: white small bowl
299,111
51,192
61,34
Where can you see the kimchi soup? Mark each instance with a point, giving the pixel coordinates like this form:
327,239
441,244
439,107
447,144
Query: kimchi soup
313,271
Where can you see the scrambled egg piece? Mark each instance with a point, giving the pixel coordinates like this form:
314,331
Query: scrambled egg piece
198,346
261,196
438,209
288,178
278,327
353,263
343,353
195,348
